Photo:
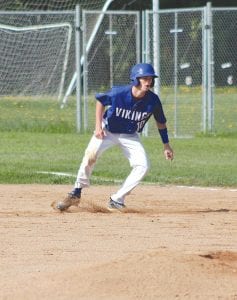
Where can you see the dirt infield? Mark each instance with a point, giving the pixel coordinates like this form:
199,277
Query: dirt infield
171,243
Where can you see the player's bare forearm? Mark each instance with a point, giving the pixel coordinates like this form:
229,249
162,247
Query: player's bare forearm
168,151
99,111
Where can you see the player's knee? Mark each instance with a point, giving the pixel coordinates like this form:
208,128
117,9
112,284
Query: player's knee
146,169
142,170
90,157
146,166
143,166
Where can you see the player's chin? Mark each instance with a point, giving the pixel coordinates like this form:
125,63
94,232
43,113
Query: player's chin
146,88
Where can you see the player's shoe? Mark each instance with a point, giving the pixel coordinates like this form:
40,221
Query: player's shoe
73,199
114,205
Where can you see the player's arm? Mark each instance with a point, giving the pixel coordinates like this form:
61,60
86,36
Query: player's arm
168,152
99,112
161,125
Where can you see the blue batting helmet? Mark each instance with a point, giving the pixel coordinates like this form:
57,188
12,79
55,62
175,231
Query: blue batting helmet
141,70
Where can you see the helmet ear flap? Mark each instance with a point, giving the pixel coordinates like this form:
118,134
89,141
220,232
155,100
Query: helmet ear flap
153,82
135,82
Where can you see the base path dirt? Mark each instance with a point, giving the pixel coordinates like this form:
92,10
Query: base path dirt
170,243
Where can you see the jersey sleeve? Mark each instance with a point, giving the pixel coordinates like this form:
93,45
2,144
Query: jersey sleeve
105,98
159,113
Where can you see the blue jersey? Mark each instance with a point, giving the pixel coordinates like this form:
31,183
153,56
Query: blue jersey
125,114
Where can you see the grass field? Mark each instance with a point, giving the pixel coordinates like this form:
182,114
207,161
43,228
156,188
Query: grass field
37,137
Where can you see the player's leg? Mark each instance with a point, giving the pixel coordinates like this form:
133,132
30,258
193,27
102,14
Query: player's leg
135,153
94,149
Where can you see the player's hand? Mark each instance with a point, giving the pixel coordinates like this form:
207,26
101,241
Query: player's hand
168,152
99,133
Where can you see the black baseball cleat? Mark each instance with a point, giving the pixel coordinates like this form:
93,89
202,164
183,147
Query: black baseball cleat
76,193
114,205
73,199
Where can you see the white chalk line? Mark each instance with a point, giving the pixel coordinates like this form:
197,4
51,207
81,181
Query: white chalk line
206,188
57,173
73,175
143,182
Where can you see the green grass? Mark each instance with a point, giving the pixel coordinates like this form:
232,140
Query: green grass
36,115
37,136
203,161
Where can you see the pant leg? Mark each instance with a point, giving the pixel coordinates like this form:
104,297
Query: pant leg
94,149
135,153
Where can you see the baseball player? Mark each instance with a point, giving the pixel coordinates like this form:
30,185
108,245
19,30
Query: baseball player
121,114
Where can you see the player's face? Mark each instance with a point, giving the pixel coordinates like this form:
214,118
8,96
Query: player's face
145,83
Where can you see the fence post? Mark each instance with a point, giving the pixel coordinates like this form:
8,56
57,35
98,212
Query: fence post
156,44
204,72
209,69
78,66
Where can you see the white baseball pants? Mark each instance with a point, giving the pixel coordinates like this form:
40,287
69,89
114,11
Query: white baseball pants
133,151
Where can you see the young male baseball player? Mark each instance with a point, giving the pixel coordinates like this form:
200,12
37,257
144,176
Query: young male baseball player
121,114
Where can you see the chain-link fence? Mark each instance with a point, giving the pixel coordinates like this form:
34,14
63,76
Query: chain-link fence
180,68
109,56
195,55
196,64
198,68
225,69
